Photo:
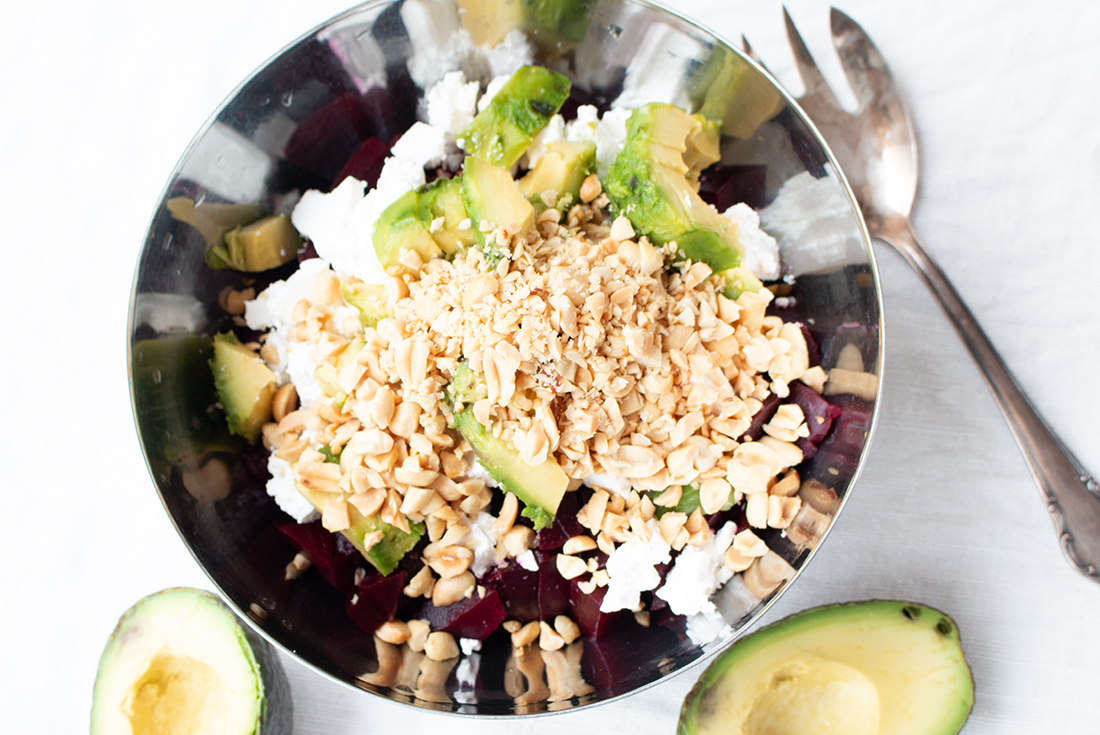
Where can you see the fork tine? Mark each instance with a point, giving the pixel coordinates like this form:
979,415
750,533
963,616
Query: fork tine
867,71
811,76
752,54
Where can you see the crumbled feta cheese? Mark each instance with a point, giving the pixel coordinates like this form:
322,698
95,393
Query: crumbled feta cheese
477,470
632,570
301,369
491,91
440,43
658,69
527,561
613,484
452,102
610,137
582,129
423,144
330,221
281,487
824,242
696,574
469,645
514,51
484,548
274,306
705,627
554,130
761,251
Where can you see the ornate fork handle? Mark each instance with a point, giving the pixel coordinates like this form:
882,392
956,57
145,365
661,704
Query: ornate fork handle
1071,494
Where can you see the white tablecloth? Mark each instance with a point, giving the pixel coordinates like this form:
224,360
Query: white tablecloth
100,99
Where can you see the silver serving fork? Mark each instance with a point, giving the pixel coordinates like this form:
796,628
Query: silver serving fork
876,148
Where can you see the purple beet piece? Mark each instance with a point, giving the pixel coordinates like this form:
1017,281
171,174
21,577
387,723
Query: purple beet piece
565,525
838,454
365,164
518,590
813,352
593,623
333,555
819,412
375,600
553,594
475,617
723,186
763,416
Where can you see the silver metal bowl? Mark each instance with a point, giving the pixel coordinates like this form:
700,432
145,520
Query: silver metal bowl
290,127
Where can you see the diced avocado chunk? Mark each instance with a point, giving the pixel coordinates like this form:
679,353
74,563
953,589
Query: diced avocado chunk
540,487
491,196
442,198
568,19
386,553
245,385
369,299
260,246
501,132
399,228
738,281
562,169
854,669
653,182
489,21
180,661
729,90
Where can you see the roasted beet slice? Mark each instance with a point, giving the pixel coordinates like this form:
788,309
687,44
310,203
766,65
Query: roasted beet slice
724,186
819,412
565,525
475,617
333,555
366,163
838,454
553,597
375,600
518,590
586,612
763,416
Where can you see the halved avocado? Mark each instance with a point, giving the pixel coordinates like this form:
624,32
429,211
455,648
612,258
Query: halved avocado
180,663
860,668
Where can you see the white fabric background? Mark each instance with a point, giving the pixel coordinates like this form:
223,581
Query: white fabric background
100,99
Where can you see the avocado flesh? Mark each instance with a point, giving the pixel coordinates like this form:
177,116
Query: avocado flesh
180,663
245,385
492,197
870,667
384,555
562,169
540,487
729,90
501,132
654,183
369,299
442,198
399,228
259,246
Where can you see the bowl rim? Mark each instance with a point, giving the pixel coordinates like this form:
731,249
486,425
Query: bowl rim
716,647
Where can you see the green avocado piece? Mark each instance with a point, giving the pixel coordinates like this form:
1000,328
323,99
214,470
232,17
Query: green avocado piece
399,227
562,169
540,487
654,183
180,662
729,90
369,299
567,19
442,198
860,668
501,132
259,246
383,555
738,281
493,200
245,385
213,220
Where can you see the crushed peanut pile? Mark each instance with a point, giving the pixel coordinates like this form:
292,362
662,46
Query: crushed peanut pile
598,350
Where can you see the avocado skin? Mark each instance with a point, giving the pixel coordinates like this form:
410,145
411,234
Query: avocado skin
826,621
277,711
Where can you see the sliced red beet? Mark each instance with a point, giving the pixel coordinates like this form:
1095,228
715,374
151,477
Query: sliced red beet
586,612
518,590
723,186
565,525
331,554
475,617
366,163
838,454
819,412
375,600
763,416
553,596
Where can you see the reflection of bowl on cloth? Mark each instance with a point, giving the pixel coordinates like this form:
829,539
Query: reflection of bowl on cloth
292,127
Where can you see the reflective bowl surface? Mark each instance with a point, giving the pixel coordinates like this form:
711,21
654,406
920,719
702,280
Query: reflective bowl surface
291,127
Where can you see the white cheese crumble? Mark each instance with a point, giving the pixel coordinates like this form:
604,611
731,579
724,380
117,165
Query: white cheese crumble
440,43
610,137
612,484
513,51
527,561
452,103
491,90
484,544
422,144
631,570
689,585
554,130
760,250
281,487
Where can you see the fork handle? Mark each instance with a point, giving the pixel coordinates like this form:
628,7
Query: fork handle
1071,494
